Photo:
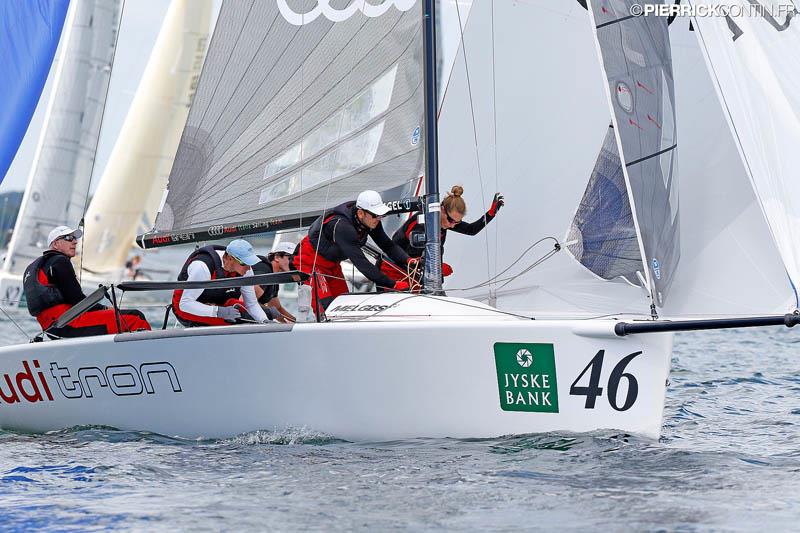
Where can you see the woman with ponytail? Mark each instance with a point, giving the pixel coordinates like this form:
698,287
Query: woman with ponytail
453,209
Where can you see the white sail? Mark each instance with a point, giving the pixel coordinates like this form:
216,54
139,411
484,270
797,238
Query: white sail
549,127
61,173
752,55
136,174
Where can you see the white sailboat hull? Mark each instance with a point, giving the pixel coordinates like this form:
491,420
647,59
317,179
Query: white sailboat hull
400,376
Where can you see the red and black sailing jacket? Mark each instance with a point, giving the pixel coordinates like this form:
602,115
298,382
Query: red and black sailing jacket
209,256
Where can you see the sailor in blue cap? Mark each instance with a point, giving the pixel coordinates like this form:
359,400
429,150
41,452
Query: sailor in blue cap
215,307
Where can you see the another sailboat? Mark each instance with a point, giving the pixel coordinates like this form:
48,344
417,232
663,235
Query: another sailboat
303,104
58,186
139,164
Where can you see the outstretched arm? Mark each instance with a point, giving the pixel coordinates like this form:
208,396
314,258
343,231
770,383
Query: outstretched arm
473,228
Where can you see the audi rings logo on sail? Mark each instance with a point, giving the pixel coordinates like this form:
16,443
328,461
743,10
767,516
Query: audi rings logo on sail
340,15
216,231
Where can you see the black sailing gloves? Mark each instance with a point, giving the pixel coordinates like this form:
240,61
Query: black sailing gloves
497,203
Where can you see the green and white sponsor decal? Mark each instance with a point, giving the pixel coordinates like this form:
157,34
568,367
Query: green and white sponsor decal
526,377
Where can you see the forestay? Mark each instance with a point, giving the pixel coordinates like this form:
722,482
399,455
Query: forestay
59,181
301,105
636,57
752,55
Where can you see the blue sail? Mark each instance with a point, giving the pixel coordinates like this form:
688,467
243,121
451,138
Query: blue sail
29,34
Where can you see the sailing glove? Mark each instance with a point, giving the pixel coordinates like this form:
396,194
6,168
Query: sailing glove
228,314
497,203
272,313
446,269
401,286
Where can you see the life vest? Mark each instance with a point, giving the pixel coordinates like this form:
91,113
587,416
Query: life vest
39,293
209,256
322,233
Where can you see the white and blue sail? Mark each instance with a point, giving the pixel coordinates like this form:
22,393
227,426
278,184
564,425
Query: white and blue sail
58,185
752,55
29,36
637,63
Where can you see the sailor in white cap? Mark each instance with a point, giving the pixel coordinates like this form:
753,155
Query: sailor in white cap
51,287
340,234
278,260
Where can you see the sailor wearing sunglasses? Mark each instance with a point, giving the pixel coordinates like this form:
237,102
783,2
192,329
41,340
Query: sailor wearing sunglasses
340,234
411,235
51,287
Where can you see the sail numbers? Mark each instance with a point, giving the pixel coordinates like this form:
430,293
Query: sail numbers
593,390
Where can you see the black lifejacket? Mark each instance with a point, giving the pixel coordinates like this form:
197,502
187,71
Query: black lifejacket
402,237
209,256
265,267
322,232
40,295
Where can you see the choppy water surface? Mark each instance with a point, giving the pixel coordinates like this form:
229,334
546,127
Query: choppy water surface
729,459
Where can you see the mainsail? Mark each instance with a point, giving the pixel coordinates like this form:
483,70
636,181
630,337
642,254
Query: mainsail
752,55
59,180
133,182
636,57
29,35
301,105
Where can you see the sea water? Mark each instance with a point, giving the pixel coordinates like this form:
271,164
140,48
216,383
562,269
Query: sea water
729,460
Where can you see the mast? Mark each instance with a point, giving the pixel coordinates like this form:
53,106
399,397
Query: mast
433,250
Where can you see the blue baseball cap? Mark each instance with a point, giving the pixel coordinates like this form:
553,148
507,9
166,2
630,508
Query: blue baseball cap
243,251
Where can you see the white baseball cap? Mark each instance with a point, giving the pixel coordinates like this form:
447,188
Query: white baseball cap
371,201
284,246
63,231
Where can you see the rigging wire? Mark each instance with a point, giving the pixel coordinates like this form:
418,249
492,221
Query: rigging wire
81,224
496,159
15,323
474,128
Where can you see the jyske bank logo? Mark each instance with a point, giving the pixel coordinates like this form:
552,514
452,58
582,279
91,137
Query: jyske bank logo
524,358
323,8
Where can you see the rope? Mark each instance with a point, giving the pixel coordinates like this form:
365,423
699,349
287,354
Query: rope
496,278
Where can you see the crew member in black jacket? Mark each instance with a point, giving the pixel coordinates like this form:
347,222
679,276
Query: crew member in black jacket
339,234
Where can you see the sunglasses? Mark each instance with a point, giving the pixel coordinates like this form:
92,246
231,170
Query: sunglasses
373,215
68,238
450,219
